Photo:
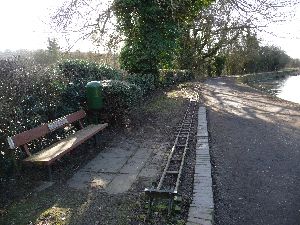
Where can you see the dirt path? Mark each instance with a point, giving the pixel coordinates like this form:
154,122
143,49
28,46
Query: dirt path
255,147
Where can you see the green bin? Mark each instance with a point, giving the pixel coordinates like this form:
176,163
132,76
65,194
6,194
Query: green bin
94,95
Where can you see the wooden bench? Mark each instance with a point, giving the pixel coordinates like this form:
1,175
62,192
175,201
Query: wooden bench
54,152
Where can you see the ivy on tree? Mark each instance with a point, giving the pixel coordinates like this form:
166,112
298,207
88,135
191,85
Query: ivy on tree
152,29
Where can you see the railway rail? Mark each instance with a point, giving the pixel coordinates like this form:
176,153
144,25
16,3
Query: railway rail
169,183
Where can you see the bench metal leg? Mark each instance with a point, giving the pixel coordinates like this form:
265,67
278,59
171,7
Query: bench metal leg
96,138
50,172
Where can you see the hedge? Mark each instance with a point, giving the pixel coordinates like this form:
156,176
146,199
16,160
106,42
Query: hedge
145,81
166,78
119,96
170,77
31,94
81,69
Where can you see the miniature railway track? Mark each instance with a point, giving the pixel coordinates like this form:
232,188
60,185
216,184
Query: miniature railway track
170,180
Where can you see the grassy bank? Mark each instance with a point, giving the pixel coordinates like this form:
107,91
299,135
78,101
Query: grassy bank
256,77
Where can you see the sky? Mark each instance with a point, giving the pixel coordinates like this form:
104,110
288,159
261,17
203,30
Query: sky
287,34
24,25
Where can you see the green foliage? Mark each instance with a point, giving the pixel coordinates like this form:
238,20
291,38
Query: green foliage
219,64
166,78
272,58
185,55
152,29
294,63
31,94
248,56
216,66
150,35
45,57
53,50
170,77
108,59
119,96
145,81
53,46
77,70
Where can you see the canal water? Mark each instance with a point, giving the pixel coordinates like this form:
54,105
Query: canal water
287,88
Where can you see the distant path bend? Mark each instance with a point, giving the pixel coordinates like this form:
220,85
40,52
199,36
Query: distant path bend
255,148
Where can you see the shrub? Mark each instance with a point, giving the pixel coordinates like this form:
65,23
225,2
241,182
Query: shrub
170,77
119,96
145,81
76,70
29,96
166,77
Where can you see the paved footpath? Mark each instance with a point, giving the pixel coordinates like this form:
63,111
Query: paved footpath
116,168
255,149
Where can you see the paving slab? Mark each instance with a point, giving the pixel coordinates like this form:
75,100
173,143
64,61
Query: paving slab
148,172
108,165
121,183
133,166
117,168
143,153
101,180
202,145
118,152
79,180
84,180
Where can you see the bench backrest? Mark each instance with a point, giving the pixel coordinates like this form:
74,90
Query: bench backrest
35,133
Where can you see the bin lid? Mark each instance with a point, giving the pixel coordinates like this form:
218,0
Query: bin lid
93,84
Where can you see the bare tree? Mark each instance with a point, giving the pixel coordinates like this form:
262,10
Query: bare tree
86,19
224,23
214,27
262,13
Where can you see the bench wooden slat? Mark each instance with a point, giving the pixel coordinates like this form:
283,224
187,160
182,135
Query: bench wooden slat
76,116
35,133
29,135
57,150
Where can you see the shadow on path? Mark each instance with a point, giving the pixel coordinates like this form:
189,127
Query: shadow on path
255,147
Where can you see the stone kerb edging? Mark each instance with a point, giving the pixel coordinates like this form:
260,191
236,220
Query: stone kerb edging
202,206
